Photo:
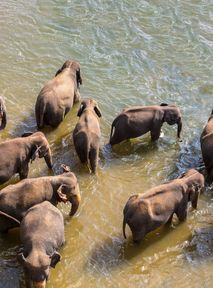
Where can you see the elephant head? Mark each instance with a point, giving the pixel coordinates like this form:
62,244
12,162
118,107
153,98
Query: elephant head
70,192
3,115
37,268
195,185
75,66
129,213
89,104
40,147
172,116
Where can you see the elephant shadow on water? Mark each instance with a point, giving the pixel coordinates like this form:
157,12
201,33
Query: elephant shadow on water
116,252
201,241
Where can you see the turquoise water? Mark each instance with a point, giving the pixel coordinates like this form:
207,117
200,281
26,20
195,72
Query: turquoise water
131,53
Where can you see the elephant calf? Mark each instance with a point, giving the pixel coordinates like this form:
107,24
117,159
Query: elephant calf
58,95
136,121
3,115
149,210
87,134
17,153
206,141
42,234
16,199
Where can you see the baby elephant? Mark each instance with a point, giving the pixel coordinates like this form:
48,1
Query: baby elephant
3,115
149,210
136,121
16,199
42,234
58,95
206,141
87,134
17,153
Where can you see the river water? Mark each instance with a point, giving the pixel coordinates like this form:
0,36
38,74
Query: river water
131,53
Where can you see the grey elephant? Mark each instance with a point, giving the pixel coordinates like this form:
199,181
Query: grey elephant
3,114
149,210
87,133
17,153
58,95
136,121
16,199
42,234
206,141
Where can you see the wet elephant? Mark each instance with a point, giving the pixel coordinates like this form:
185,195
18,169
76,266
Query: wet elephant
149,210
17,153
87,133
42,234
16,199
206,142
136,121
58,95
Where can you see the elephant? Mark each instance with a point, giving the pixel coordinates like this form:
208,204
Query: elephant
16,199
87,133
3,114
136,121
206,141
17,153
42,234
58,95
149,210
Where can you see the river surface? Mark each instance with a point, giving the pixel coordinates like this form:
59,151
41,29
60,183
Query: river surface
131,53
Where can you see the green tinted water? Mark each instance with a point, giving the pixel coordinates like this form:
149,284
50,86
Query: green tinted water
131,53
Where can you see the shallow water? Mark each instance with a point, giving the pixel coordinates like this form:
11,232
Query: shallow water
131,53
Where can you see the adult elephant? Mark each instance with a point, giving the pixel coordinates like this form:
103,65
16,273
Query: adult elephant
42,234
3,115
136,121
16,199
58,95
149,210
17,153
87,133
206,141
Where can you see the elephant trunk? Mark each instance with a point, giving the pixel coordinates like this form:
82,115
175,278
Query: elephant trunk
124,226
48,159
3,119
179,123
75,201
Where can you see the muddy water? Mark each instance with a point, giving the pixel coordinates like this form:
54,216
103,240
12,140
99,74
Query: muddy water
131,53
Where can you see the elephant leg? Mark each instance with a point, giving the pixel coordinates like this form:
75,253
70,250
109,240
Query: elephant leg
93,158
181,212
155,134
24,171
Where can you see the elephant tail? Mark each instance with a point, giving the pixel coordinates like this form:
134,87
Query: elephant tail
112,130
124,226
10,217
40,110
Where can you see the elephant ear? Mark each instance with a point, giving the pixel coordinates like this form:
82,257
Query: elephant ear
61,193
55,258
97,111
58,72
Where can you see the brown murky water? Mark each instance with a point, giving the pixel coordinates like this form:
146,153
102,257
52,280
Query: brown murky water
131,53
